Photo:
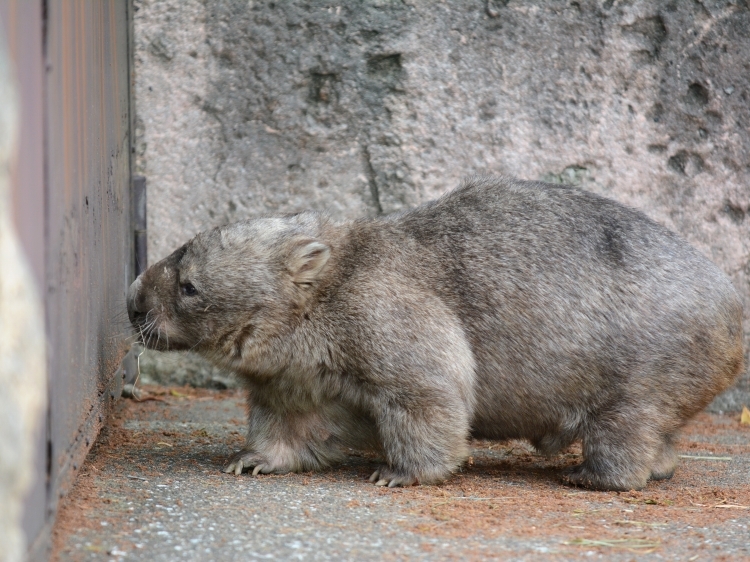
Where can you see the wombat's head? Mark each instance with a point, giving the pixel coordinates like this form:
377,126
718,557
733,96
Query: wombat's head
231,289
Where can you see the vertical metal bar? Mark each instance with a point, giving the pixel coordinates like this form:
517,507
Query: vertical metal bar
139,220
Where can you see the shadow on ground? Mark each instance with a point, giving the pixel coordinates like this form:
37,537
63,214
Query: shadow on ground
152,489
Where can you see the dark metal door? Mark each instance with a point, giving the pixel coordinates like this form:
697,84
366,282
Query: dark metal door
72,202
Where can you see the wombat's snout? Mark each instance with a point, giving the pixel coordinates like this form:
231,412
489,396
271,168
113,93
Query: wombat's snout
136,302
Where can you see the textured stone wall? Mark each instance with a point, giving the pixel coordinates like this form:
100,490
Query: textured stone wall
366,107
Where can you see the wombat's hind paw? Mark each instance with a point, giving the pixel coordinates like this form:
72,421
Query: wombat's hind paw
244,461
385,476
665,461
582,475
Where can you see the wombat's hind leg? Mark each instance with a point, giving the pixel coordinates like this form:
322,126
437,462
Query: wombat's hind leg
552,443
665,460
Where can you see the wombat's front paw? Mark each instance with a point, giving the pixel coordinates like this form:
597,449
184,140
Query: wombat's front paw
385,476
245,460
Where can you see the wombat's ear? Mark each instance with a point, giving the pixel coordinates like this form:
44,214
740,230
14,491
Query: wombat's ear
307,260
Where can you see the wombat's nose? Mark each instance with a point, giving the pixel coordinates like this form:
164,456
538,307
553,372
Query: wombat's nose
136,308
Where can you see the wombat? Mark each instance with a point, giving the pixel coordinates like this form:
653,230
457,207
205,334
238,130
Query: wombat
503,310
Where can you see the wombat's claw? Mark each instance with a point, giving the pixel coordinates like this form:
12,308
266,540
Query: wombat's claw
391,479
264,468
235,467
245,460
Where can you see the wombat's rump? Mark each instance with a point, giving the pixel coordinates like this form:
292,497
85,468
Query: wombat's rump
503,310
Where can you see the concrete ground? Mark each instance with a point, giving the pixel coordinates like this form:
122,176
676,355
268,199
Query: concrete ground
152,489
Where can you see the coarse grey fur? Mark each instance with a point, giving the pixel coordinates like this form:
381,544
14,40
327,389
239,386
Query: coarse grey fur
505,309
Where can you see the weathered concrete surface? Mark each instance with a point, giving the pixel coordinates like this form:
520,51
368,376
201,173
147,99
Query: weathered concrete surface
180,369
23,383
152,490
359,108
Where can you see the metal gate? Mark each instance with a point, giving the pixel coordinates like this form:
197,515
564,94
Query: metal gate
72,208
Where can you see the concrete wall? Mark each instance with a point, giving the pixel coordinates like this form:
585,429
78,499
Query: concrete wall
364,107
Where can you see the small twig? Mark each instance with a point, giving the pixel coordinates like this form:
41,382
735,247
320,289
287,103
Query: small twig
154,398
137,478
699,458
639,523
130,391
629,544
473,498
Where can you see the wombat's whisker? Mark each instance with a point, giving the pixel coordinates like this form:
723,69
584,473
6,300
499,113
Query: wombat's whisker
196,344
124,336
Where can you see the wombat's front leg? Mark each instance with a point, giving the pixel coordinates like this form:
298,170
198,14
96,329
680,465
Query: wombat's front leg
423,420
244,460
423,442
418,371
283,441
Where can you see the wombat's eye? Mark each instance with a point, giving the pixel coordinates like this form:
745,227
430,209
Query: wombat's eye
188,289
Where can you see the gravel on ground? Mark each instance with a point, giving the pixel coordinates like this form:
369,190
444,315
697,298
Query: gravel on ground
152,489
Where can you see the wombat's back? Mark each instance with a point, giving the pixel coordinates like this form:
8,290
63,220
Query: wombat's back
573,303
